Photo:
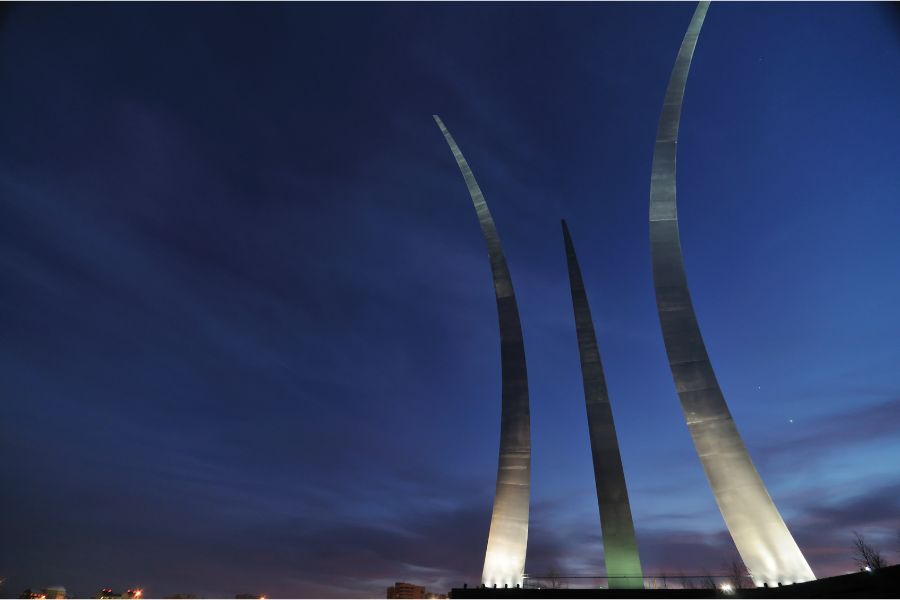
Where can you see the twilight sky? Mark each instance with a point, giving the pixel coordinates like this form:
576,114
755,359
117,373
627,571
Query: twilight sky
249,340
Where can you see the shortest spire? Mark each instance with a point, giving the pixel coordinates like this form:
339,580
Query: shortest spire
620,552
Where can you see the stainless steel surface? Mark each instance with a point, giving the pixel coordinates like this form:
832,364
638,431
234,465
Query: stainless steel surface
762,539
504,561
620,551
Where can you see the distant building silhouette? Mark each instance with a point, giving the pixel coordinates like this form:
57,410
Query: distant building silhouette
408,591
405,591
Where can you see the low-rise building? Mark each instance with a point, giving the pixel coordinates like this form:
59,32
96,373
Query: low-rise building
406,591
410,591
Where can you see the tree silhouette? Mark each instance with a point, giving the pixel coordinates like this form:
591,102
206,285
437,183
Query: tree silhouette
866,557
737,574
554,580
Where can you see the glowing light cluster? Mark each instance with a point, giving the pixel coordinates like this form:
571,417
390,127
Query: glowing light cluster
503,568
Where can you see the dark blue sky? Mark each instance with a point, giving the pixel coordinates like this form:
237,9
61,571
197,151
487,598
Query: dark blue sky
249,341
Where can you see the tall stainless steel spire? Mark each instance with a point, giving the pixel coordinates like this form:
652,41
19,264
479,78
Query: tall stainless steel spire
762,539
504,561
620,553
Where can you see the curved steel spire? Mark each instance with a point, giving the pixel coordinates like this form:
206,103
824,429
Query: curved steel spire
762,539
504,561
620,553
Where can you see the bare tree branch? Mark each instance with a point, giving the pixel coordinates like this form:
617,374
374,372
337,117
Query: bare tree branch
865,556
738,575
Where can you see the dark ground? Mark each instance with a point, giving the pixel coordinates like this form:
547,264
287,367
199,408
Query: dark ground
884,583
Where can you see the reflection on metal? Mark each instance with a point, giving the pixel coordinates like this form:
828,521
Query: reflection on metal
623,565
762,539
504,561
